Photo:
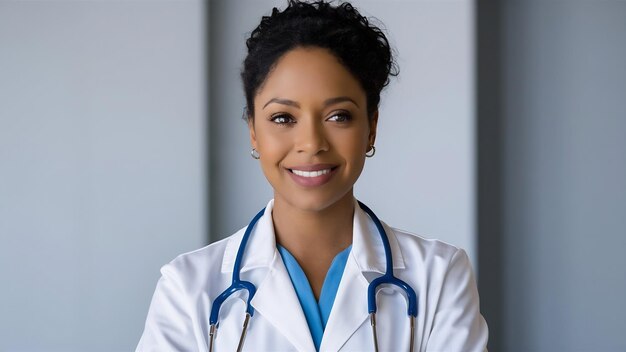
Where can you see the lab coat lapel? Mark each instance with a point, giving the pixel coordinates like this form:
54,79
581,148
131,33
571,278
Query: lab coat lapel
277,302
349,310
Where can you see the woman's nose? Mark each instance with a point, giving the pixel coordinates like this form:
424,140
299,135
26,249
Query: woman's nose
311,138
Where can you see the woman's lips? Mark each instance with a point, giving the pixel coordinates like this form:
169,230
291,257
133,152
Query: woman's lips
312,175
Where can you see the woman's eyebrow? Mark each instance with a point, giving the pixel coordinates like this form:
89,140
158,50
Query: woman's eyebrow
336,100
282,101
327,102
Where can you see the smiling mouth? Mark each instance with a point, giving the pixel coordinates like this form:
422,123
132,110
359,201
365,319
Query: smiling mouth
316,175
311,173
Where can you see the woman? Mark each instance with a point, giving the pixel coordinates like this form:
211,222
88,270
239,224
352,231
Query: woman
312,80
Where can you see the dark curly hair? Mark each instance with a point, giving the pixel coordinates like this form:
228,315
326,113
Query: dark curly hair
360,46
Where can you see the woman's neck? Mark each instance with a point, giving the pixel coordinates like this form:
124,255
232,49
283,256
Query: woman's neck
314,238
329,229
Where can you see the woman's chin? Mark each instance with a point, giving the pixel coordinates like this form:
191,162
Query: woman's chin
314,202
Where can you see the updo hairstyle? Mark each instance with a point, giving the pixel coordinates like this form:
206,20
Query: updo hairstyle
360,46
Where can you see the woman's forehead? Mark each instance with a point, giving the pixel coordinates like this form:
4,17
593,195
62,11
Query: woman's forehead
310,73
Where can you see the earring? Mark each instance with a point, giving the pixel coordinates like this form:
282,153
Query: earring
370,153
255,154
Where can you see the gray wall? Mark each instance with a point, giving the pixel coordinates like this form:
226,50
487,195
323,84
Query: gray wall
559,176
102,154
426,128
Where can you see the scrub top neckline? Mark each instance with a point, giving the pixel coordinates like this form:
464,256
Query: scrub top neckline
316,312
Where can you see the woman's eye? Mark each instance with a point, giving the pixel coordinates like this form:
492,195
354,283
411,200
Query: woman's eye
340,117
282,119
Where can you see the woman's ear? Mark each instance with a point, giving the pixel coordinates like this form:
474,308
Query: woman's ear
252,132
373,125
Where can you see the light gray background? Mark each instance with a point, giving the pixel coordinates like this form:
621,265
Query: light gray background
102,165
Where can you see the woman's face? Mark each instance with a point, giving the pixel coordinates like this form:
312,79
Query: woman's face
311,129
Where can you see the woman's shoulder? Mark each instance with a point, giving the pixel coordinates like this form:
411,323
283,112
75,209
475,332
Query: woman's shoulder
436,263
417,246
202,262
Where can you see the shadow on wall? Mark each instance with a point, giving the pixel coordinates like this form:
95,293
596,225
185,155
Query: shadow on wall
551,83
489,185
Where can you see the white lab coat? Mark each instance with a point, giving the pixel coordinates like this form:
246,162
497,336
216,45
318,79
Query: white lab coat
448,318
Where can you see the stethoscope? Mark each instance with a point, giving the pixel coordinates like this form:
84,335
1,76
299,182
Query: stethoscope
386,279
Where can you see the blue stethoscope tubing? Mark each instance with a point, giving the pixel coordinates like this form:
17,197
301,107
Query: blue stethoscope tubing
386,279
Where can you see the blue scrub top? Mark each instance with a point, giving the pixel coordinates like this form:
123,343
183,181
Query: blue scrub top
316,313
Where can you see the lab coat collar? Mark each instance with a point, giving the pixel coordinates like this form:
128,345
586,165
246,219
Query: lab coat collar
367,246
261,247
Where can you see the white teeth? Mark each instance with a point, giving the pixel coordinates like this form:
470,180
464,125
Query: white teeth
311,173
